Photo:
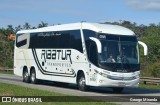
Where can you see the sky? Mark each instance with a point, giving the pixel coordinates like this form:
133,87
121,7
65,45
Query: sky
17,12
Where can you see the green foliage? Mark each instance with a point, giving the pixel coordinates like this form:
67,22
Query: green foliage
151,62
6,53
152,39
155,69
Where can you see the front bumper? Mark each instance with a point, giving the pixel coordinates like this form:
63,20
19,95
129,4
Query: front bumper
106,82
120,80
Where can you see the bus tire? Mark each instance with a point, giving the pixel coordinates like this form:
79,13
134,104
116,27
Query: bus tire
82,82
33,77
117,89
25,75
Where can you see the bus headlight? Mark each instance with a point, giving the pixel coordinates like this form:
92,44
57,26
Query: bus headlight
102,74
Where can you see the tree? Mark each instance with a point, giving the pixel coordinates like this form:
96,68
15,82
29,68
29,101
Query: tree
26,26
152,25
10,30
129,24
42,24
18,28
140,30
3,31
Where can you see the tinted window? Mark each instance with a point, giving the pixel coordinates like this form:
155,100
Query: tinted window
75,40
59,39
90,46
93,54
88,33
20,43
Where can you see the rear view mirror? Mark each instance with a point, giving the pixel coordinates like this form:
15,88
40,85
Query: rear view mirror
144,47
98,43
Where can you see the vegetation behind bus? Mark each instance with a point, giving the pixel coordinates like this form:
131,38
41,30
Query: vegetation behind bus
150,65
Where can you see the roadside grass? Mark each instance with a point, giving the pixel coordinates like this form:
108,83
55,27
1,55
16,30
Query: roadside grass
15,90
149,86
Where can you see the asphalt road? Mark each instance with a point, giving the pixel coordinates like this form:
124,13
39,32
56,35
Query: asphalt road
98,92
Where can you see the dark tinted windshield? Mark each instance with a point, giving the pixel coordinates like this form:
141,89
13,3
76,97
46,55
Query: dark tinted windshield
119,53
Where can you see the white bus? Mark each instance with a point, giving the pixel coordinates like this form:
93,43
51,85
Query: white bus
86,54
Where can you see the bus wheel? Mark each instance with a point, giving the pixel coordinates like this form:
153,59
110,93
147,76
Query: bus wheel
82,82
33,77
117,89
25,76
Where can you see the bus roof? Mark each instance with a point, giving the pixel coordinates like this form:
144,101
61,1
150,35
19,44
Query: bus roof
97,27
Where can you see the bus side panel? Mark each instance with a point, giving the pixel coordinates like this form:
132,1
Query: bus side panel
24,57
21,59
35,63
59,64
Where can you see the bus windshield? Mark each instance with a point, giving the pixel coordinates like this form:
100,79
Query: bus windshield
119,55
119,52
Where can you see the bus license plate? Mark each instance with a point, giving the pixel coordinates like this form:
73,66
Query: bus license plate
121,84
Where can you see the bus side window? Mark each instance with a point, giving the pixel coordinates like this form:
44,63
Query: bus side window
93,54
